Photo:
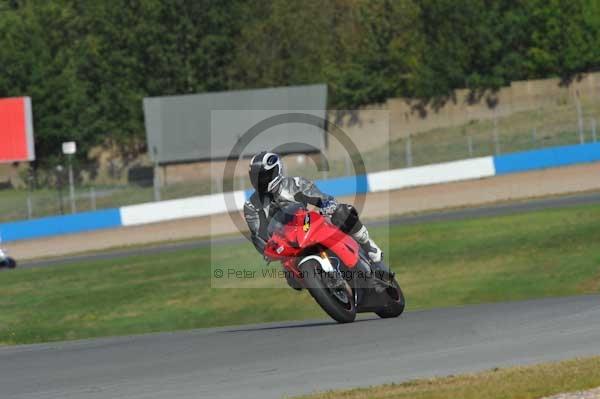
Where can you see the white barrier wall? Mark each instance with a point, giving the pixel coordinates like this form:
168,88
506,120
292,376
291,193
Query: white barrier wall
380,181
431,174
153,212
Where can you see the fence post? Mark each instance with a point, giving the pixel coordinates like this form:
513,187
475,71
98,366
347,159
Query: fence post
470,145
29,206
579,119
496,138
156,175
59,186
71,184
93,198
409,158
218,184
348,165
29,192
324,167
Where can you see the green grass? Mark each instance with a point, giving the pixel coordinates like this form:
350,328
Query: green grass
533,255
531,382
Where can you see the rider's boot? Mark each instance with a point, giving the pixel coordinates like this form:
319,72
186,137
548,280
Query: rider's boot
383,276
380,270
374,252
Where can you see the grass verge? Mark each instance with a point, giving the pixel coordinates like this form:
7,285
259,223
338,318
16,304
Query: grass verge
516,382
533,255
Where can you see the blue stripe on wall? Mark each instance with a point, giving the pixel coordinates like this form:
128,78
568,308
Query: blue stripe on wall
64,224
342,186
347,185
546,158
339,186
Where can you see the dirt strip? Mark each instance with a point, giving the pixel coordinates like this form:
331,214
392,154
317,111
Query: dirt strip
591,394
467,193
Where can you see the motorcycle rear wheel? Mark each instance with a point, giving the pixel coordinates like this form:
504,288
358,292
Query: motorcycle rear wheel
339,305
396,307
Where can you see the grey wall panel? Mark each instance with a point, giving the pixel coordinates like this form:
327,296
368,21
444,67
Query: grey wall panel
206,126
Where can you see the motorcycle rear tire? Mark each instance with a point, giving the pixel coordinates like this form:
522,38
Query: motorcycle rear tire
396,307
342,313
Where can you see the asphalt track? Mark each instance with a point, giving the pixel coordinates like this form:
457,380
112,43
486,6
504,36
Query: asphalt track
273,360
459,214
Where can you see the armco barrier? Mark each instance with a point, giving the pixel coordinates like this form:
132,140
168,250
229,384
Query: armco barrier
56,225
152,212
431,174
380,181
552,157
342,186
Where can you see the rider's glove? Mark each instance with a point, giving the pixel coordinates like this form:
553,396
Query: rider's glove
329,207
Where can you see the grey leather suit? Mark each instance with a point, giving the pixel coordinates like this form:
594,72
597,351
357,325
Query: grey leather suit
258,210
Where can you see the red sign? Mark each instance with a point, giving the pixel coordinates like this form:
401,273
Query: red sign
16,130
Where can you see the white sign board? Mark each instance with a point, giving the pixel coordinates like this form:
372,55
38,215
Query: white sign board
69,148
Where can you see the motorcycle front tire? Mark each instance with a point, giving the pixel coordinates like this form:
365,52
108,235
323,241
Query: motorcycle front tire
334,307
9,263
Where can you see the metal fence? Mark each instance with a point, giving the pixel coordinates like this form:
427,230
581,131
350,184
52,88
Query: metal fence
48,192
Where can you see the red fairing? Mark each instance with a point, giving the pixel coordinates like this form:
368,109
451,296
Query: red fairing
307,229
278,248
321,231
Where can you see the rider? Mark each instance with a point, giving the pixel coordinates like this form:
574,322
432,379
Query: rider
274,191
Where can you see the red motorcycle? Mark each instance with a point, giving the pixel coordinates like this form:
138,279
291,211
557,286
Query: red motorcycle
331,265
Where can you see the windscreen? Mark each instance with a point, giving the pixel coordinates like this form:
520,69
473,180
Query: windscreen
283,217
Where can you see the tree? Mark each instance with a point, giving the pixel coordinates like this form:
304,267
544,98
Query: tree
289,43
88,64
387,57
562,44
38,59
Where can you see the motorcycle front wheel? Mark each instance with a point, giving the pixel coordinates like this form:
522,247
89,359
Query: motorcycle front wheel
337,302
9,263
